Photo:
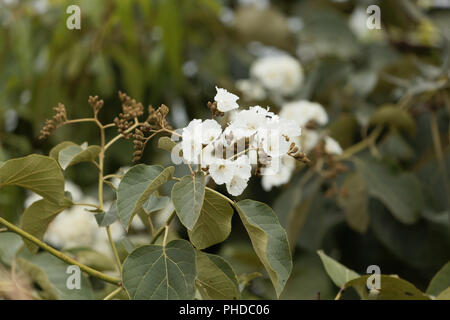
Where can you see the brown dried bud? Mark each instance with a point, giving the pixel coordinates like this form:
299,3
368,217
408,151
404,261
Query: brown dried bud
95,103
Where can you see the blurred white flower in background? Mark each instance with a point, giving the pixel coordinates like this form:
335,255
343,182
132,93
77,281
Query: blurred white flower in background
281,74
304,111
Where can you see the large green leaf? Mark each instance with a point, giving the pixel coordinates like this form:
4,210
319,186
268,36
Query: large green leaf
337,272
37,173
216,279
214,224
51,274
74,154
187,198
136,187
37,217
268,239
391,288
399,192
154,272
440,281
354,202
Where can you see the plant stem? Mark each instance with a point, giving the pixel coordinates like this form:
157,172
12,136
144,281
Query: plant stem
114,249
80,120
59,254
111,142
113,294
369,141
161,230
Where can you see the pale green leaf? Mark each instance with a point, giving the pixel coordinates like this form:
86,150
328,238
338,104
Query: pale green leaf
391,288
216,279
337,272
154,272
440,281
187,198
37,173
268,239
74,154
166,143
136,187
214,224
9,244
54,152
107,218
37,217
92,258
395,117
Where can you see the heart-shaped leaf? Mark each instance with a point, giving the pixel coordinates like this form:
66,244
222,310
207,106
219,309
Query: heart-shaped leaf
214,224
136,187
440,281
54,152
37,173
154,272
269,240
187,198
166,143
216,279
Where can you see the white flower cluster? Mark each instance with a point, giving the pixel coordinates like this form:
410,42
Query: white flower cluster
280,74
309,116
255,137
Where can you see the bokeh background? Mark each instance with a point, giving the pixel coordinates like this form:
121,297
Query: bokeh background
175,52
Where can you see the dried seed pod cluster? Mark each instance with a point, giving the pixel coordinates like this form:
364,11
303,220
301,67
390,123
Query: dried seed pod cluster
95,103
57,121
130,110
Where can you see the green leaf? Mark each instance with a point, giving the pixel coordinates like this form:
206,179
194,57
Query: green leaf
444,295
337,272
187,198
354,202
74,154
399,192
391,288
54,152
38,216
214,224
395,117
136,187
440,281
216,279
9,244
154,272
155,203
268,239
166,143
37,173
109,217
51,274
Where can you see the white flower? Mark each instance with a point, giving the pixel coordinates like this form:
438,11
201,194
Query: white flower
243,168
247,123
274,143
74,227
304,111
309,140
211,130
237,185
280,177
192,141
226,101
221,170
332,146
278,73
